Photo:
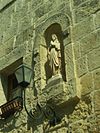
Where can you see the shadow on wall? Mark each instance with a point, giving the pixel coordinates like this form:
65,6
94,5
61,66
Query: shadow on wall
4,82
9,124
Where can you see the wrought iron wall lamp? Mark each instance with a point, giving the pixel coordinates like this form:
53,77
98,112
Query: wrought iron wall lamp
23,75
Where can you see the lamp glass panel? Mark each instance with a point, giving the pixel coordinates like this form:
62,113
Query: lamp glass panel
27,74
19,74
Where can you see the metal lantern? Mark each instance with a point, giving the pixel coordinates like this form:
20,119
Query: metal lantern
23,75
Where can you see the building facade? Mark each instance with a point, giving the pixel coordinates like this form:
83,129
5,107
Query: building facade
60,41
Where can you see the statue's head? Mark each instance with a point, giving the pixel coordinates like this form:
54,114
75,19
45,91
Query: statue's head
54,36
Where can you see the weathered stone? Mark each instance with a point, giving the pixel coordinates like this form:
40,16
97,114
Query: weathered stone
6,19
77,51
81,66
87,84
25,36
23,25
62,130
43,9
37,70
69,61
57,93
97,100
7,47
12,57
72,87
1,38
97,19
28,60
78,2
9,33
82,29
20,10
86,9
19,39
94,59
35,4
90,42
29,46
1,51
18,5
96,78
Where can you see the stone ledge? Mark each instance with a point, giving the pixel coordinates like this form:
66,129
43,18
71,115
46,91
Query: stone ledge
56,93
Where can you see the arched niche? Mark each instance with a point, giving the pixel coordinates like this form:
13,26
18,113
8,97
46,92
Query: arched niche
58,24
63,19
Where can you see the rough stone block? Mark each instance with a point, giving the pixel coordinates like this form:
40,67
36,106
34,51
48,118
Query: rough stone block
96,78
77,50
82,29
19,39
97,101
28,60
6,21
24,23
20,9
93,59
68,53
9,33
37,74
29,46
57,93
69,62
69,71
78,2
43,9
62,130
90,42
26,35
35,4
15,18
7,47
12,57
1,37
81,66
51,89
31,32
86,9
2,53
97,20
72,86
87,84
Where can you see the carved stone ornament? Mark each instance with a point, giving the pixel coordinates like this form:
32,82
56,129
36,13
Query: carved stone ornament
37,113
49,112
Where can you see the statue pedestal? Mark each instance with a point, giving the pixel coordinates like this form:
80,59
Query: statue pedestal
56,93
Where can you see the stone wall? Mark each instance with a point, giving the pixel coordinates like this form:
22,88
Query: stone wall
22,27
